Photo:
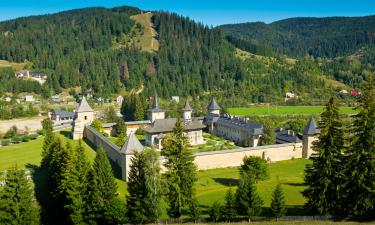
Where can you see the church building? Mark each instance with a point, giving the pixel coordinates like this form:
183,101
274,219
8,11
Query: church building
162,126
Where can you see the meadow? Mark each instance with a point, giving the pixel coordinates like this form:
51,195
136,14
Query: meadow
284,110
212,185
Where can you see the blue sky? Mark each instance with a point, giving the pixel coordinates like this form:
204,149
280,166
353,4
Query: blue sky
210,12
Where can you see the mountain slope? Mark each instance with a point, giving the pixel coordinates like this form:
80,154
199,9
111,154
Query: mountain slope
319,37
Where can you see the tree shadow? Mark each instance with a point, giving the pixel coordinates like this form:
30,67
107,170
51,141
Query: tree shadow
229,182
295,184
65,133
40,179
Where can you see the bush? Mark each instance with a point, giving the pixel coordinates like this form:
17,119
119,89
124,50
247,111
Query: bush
5,142
215,212
140,132
16,139
26,138
33,136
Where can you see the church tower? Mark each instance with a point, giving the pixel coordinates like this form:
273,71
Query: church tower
187,111
84,115
310,134
155,112
213,107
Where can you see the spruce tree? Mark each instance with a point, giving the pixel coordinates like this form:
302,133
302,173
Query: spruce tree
229,208
74,184
278,202
324,175
359,186
101,191
216,212
248,201
18,205
181,170
144,188
194,211
139,112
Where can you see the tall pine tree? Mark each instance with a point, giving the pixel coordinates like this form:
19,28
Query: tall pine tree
101,191
181,170
18,205
144,188
278,202
324,175
248,201
359,187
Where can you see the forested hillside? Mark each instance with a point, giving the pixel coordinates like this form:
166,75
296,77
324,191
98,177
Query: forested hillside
97,49
319,37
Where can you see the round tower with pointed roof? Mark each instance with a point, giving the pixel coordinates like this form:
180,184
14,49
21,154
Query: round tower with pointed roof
187,111
155,112
84,115
310,134
213,107
131,146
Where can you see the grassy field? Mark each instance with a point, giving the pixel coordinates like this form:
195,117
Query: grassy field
147,40
28,155
284,110
213,184
16,66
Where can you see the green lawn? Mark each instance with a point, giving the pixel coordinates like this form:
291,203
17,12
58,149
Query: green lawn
281,110
28,154
213,143
213,184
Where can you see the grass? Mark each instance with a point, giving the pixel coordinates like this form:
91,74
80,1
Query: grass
284,110
213,143
147,40
16,66
212,185
28,155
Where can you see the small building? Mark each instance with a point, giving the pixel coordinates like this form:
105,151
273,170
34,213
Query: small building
55,98
176,98
310,134
108,128
343,91
161,127
29,98
8,99
119,99
84,115
355,93
133,126
40,75
290,95
236,129
23,74
287,136
58,115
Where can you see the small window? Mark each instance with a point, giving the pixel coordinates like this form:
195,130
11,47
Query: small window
85,117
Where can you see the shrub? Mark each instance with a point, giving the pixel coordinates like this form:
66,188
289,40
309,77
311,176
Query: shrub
140,132
16,139
26,138
33,136
5,142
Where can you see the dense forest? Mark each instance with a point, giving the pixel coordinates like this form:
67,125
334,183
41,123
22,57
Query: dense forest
80,48
318,37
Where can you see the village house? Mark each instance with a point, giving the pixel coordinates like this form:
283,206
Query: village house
58,115
161,126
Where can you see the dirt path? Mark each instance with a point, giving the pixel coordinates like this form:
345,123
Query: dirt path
32,123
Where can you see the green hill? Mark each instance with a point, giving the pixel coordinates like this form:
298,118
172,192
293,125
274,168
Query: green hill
319,37
109,51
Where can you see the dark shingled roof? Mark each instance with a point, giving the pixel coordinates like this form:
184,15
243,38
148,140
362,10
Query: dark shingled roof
311,128
213,105
187,107
155,105
284,136
167,125
63,113
237,123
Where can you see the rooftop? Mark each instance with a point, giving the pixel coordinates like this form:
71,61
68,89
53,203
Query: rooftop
167,125
131,145
84,106
311,128
213,105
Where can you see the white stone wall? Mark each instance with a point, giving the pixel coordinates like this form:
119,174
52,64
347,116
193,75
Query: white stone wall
195,137
233,158
152,116
307,145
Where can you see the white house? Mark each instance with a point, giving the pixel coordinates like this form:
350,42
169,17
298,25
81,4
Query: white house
29,98
119,99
